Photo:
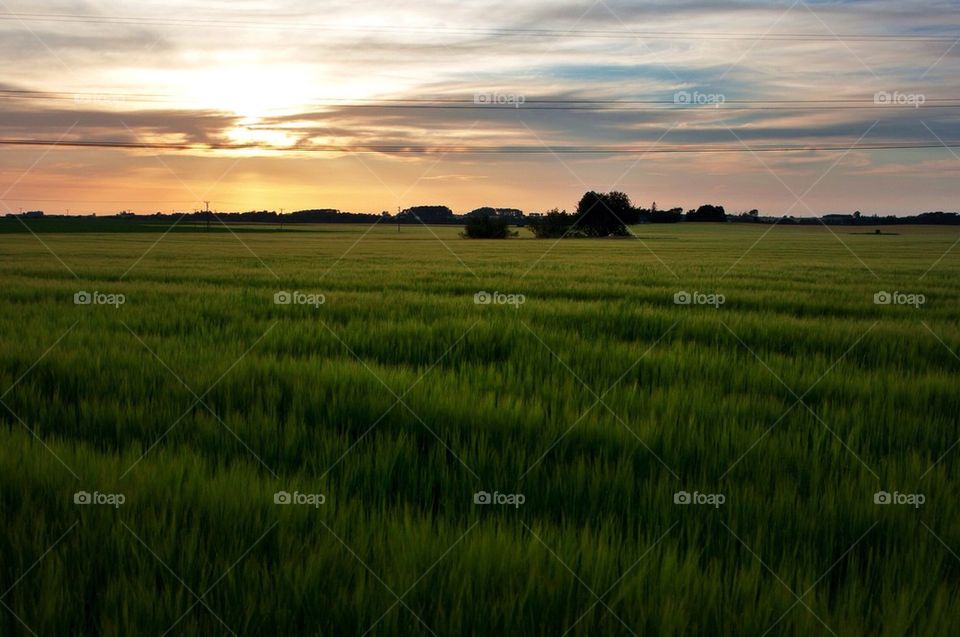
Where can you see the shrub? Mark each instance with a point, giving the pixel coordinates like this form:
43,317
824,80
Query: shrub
486,226
554,225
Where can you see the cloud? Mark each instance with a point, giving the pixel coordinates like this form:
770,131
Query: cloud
293,72
97,124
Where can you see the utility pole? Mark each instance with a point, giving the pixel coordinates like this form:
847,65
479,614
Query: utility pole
281,220
207,204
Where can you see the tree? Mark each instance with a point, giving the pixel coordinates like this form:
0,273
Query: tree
509,213
426,214
605,214
707,213
654,215
487,226
554,225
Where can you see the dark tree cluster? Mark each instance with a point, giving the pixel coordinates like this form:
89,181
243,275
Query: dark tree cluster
553,225
487,226
427,214
598,215
514,214
707,213
605,214
674,215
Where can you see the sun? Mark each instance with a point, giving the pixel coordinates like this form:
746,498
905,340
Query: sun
253,91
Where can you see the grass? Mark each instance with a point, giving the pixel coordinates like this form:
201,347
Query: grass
399,398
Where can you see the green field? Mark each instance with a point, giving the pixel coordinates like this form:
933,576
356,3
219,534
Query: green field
399,398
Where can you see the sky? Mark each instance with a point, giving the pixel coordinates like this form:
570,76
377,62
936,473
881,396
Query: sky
371,106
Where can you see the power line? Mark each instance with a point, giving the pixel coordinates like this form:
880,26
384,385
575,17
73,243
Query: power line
467,149
532,104
475,31
467,99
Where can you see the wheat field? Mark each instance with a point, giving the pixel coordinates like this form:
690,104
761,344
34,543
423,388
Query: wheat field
351,430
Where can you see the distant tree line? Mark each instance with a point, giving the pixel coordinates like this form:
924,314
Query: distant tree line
597,215
611,214
858,219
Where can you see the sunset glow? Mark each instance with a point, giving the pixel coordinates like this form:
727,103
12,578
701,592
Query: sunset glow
369,84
